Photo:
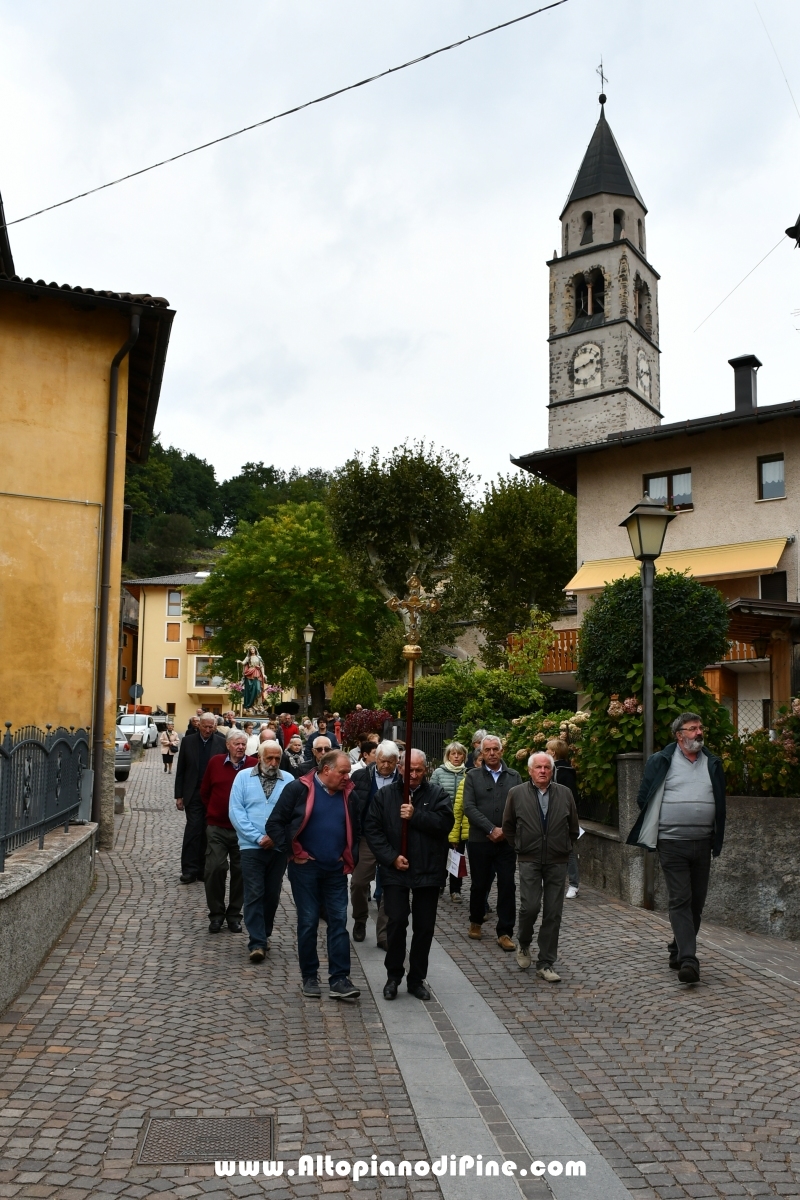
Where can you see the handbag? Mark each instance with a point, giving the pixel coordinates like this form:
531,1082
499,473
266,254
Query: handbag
456,864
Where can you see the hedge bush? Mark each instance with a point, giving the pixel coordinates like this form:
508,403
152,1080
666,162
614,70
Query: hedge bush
355,687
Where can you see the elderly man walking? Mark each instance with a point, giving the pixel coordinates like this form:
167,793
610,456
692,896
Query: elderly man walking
254,795
366,786
315,822
411,881
541,822
682,802
486,790
222,845
195,755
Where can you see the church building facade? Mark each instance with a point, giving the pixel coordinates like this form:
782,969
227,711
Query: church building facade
733,478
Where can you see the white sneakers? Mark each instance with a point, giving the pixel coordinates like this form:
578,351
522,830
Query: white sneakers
523,958
571,892
548,974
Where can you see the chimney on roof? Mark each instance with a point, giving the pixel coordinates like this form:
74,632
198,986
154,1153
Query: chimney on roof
744,381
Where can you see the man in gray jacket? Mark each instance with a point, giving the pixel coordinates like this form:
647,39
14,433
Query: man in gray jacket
541,821
486,789
682,802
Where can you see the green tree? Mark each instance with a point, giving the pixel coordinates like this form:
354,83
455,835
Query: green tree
690,628
274,578
520,550
355,687
258,490
402,514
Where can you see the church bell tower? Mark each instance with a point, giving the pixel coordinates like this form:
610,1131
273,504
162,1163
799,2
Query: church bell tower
604,368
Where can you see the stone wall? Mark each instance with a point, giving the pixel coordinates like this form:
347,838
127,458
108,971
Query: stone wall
755,883
40,892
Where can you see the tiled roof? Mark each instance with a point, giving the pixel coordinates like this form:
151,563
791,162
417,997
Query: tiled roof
126,297
181,580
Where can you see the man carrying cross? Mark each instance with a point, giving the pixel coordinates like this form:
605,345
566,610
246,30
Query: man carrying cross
411,879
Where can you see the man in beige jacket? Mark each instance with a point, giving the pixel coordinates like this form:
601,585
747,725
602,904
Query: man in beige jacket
541,822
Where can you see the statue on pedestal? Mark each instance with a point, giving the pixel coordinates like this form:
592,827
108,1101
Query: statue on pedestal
253,678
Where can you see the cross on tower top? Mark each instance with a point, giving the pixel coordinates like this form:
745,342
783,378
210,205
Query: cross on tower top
603,80
413,607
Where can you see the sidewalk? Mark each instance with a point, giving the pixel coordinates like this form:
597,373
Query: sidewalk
139,1014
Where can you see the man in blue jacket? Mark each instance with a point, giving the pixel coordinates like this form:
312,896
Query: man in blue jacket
682,802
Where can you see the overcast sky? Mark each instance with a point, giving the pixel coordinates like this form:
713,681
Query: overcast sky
373,269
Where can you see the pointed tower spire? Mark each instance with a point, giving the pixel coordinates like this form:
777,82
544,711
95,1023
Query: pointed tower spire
6,261
603,168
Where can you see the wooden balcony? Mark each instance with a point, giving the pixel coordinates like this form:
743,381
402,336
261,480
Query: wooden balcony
195,645
561,657
740,652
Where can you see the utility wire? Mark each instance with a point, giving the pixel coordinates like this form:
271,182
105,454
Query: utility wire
741,281
797,110
288,112
775,52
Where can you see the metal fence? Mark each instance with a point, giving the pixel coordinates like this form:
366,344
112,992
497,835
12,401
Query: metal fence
427,736
40,782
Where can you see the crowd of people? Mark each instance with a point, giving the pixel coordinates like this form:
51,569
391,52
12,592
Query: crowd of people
282,799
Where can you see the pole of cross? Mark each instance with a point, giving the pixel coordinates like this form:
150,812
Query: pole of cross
414,605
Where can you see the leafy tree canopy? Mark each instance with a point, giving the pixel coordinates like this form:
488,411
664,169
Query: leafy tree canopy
690,627
274,578
258,490
173,482
402,514
520,550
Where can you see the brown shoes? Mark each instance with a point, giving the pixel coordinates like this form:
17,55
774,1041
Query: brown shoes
475,932
505,943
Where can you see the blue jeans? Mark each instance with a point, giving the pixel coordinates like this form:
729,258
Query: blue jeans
312,887
262,875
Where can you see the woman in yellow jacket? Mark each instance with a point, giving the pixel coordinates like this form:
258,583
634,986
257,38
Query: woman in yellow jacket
460,831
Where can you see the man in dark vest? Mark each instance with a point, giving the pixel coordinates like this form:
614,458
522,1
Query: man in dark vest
193,758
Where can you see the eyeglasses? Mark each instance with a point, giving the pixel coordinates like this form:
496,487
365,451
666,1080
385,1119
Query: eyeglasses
691,729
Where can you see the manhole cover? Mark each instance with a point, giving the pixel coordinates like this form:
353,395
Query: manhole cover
206,1139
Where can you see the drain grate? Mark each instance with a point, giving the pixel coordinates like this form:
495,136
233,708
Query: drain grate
176,1140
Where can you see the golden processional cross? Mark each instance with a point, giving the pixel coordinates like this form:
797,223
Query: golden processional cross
412,608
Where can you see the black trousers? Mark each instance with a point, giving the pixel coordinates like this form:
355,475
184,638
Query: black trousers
193,852
485,858
686,866
421,903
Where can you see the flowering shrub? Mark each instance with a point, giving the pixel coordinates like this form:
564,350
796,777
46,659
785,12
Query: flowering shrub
535,730
755,765
365,720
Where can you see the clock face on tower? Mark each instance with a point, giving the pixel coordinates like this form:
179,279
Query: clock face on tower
587,368
644,374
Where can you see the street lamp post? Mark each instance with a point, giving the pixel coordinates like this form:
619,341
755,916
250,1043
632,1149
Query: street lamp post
646,524
308,637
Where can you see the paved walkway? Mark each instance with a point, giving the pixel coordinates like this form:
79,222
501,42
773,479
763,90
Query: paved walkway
139,1013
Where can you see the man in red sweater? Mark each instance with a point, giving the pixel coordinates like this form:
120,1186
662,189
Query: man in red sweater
222,843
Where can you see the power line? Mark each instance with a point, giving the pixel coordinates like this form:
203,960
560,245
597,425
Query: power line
741,281
412,62
775,52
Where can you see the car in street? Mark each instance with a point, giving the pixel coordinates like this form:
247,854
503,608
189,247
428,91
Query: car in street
122,755
141,724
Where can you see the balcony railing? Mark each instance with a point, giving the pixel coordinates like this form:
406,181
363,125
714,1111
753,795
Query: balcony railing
561,657
40,783
196,645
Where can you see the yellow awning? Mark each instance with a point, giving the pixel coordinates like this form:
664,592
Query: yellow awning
706,562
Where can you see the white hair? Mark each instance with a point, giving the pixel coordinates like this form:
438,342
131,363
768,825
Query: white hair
479,735
208,716
542,754
421,753
319,740
388,750
491,737
233,732
267,745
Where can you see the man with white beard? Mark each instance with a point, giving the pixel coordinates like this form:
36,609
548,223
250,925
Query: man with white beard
682,798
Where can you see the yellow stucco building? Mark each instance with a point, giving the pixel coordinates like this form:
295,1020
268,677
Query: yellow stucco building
80,377
173,666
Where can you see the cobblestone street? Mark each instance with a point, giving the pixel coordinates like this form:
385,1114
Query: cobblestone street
140,1013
